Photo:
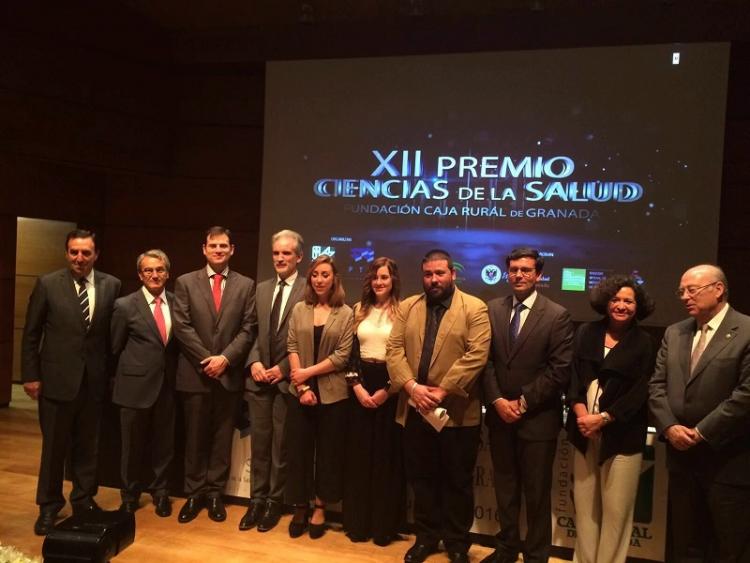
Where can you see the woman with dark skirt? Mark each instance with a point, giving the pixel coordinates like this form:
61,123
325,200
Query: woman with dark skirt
374,478
319,344
612,361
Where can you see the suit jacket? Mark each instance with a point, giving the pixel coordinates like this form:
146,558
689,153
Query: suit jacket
335,344
56,348
261,348
144,363
537,366
623,378
460,353
203,332
715,398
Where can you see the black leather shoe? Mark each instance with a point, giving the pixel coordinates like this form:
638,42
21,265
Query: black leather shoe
216,510
45,522
270,516
253,516
163,506
190,509
85,507
419,552
458,557
298,527
129,506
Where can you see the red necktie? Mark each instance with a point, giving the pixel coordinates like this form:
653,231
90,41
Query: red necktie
159,318
217,278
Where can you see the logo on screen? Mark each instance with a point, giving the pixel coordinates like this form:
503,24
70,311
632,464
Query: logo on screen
362,254
491,274
574,279
319,249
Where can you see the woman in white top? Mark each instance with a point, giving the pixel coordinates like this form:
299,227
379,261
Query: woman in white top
374,479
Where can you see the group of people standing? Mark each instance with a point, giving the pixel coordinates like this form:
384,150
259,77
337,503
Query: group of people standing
350,404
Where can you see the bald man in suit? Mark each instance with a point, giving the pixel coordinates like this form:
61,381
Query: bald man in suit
267,388
529,368
64,365
437,348
146,351
700,401
215,322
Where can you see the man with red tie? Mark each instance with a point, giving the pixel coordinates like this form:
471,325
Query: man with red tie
215,323
145,382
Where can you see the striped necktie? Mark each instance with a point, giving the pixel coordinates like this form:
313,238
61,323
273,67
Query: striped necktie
83,300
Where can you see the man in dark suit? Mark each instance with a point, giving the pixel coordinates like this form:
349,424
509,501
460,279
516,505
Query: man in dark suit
215,323
700,400
267,388
529,368
145,382
437,348
64,366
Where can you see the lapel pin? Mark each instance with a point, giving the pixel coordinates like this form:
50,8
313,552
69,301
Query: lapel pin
728,335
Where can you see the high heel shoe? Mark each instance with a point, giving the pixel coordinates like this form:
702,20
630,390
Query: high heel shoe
298,527
317,530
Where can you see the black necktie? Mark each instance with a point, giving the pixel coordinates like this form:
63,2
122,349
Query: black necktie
515,323
428,346
83,299
276,308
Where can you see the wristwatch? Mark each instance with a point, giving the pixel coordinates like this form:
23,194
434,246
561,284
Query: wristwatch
605,417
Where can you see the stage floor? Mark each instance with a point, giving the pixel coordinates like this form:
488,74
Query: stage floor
163,539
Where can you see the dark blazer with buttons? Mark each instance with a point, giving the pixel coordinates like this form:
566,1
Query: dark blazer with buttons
260,352
56,348
144,363
715,398
537,366
623,378
203,332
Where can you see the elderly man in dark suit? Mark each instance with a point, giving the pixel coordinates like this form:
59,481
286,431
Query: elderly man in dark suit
215,323
267,388
64,366
144,388
529,368
436,351
700,400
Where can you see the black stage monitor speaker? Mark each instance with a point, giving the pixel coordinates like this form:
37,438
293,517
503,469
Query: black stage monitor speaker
91,538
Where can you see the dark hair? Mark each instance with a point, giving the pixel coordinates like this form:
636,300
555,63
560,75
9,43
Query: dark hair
217,231
368,295
438,254
80,233
336,296
608,288
526,252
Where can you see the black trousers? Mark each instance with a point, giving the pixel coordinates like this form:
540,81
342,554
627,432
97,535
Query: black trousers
314,442
709,520
522,465
68,426
209,425
147,441
440,469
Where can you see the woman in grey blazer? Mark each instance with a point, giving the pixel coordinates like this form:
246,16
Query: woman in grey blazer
319,344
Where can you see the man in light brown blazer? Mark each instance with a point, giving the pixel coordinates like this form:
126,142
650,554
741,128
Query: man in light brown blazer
438,347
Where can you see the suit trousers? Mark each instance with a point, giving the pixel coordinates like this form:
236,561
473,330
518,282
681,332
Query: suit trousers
522,465
147,440
75,425
440,470
267,408
709,520
604,497
209,425
314,436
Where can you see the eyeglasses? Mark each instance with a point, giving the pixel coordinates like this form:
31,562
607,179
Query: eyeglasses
158,271
691,290
525,272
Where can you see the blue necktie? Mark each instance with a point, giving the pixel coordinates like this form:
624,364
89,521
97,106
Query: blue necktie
515,323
